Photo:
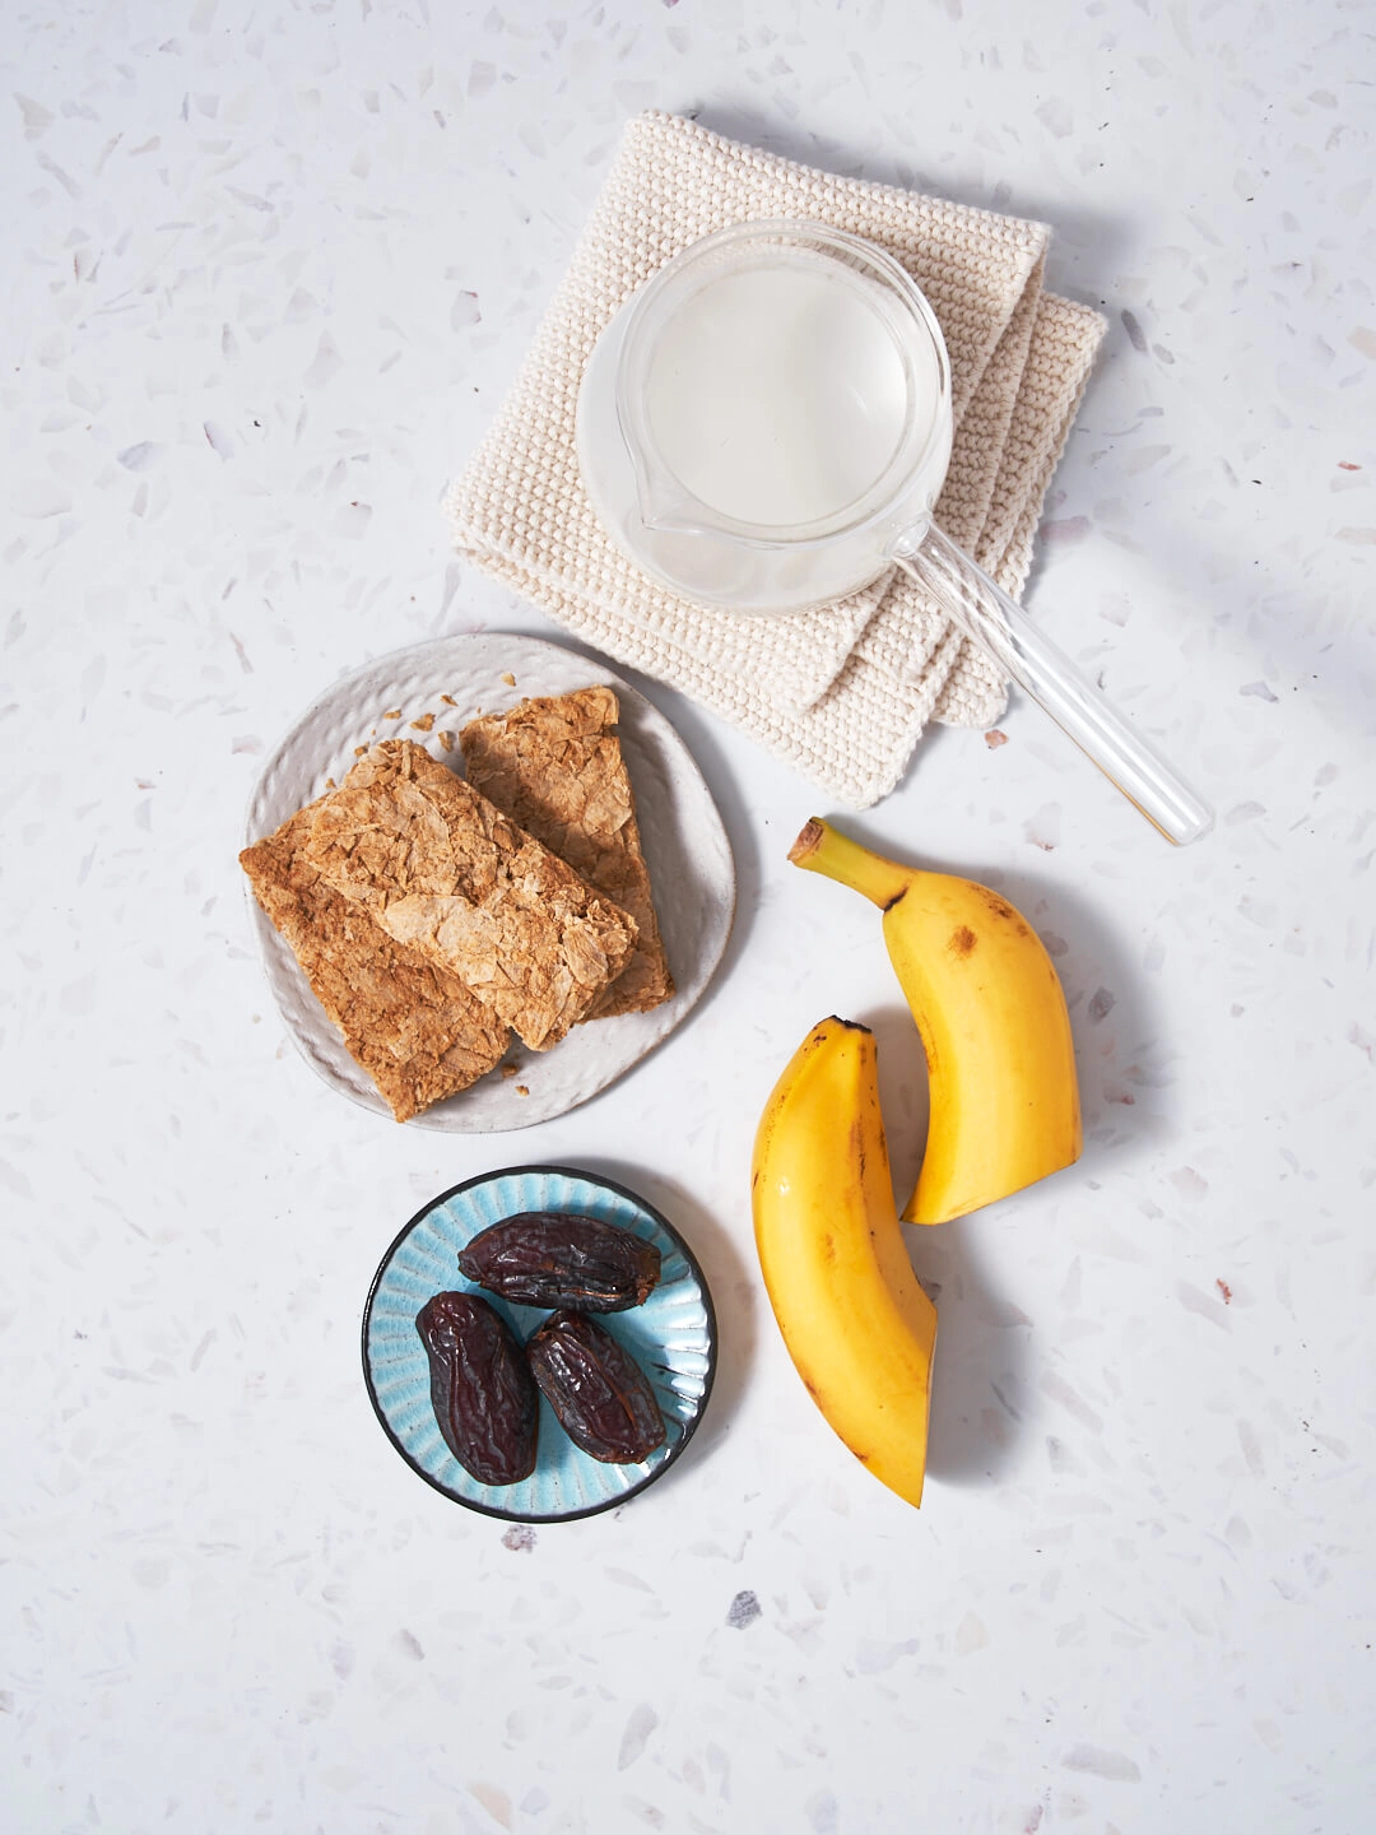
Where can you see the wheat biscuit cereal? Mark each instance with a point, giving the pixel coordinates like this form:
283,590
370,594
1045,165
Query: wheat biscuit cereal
443,871
555,766
414,1027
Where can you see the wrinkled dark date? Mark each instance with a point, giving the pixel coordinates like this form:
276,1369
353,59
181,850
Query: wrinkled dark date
481,1387
553,1258
599,1392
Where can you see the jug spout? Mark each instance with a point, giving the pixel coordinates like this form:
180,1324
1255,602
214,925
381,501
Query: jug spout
663,503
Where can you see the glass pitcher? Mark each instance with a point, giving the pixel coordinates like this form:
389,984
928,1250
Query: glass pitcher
766,426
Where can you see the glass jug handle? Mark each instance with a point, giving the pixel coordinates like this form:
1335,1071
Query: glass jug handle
985,613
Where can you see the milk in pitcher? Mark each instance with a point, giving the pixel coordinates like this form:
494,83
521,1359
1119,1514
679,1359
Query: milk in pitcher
777,394
764,415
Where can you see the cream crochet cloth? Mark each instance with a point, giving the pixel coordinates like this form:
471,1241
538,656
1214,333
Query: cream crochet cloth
843,692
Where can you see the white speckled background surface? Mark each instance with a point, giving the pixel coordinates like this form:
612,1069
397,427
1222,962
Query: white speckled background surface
268,270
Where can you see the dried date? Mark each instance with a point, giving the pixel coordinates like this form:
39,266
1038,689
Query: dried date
481,1387
599,1392
557,1258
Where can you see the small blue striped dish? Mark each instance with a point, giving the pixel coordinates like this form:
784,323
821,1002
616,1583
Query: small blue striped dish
672,1337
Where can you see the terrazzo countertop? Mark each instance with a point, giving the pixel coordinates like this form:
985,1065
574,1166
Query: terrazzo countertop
269,271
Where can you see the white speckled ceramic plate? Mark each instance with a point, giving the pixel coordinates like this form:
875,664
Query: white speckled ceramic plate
673,1337
692,875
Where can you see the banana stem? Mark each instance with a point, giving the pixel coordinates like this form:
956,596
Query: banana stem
822,849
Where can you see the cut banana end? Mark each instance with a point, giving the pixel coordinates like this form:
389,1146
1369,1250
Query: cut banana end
859,1328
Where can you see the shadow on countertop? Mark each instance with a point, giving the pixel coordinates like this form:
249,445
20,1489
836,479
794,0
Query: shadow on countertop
983,1338
986,1338
1074,227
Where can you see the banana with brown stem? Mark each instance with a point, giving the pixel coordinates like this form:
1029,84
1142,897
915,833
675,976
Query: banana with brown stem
1005,1106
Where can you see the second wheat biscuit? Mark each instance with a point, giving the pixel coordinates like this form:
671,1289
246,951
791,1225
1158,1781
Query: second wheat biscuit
555,766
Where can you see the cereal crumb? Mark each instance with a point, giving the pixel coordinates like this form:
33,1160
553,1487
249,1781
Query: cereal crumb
994,739
1226,1291
521,1090
330,784
424,724
360,750
449,700
446,740
509,679
508,1070
392,713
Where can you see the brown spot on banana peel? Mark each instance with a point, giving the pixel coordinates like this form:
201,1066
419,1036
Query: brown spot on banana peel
925,1038
1000,907
963,940
857,1143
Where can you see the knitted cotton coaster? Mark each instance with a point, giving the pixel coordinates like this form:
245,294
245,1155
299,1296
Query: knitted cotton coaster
842,691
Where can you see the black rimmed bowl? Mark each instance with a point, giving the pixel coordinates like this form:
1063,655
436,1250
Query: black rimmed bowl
673,1337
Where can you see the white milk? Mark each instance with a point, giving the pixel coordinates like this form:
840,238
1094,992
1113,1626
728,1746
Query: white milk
778,394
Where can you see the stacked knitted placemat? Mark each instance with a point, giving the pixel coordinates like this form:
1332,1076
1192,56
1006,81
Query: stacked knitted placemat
842,692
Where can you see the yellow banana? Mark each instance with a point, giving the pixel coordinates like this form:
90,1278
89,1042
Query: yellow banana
1005,1105
857,1324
